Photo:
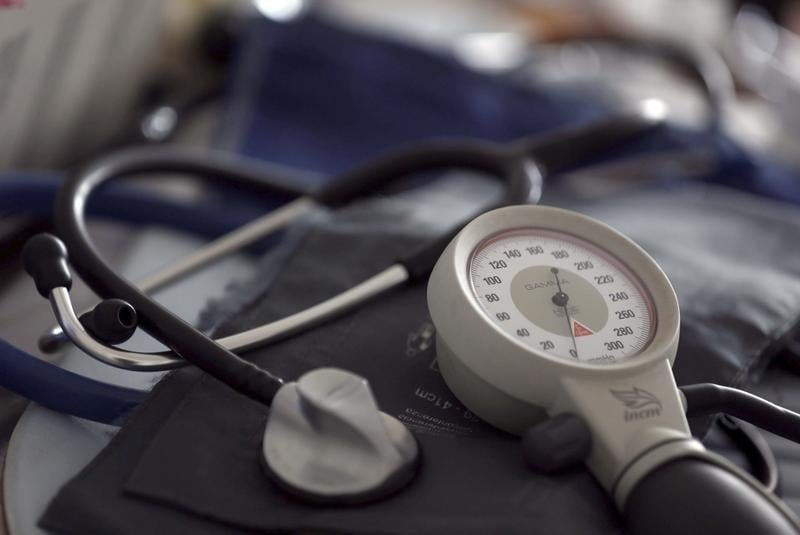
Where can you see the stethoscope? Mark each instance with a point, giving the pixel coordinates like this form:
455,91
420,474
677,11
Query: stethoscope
230,230
518,166
327,442
32,195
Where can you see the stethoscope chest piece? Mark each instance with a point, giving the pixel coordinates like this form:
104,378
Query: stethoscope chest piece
327,442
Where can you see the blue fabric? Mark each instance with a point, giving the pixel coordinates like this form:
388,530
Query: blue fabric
317,97
314,96
65,391
33,194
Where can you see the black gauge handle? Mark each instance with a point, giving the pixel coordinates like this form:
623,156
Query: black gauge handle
695,495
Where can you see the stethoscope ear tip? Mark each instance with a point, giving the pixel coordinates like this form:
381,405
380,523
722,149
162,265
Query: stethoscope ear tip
44,257
112,321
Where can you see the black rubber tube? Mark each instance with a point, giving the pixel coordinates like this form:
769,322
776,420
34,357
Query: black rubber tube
501,162
756,450
567,147
217,167
694,495
707,398
520,165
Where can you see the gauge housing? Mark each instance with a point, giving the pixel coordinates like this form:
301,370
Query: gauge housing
512,385
480,347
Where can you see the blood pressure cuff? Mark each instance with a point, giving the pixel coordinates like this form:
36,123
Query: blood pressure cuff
187,460
733,261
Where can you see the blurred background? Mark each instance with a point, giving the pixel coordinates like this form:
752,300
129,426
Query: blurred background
80,76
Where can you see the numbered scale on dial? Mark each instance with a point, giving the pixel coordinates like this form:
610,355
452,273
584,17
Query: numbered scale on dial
562,295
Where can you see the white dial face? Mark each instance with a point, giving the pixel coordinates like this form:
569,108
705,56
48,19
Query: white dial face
561,295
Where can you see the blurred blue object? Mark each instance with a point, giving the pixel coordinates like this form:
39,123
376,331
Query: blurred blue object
64,391
310,95
315,96
34,193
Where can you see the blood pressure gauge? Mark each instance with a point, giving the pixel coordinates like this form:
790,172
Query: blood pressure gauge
562,295
541,311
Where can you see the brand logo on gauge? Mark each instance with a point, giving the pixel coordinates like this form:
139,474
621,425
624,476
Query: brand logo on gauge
547,284
639,403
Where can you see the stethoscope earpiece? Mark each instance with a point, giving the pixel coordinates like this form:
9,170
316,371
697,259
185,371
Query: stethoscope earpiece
327,442
112,321
45,258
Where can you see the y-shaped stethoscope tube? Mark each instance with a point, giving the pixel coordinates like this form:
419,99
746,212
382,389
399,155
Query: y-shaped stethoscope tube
479,156
512,162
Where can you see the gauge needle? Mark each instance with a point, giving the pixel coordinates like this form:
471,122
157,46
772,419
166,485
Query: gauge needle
561,300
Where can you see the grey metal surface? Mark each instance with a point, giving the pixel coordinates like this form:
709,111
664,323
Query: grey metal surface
67,318
308,318
167,360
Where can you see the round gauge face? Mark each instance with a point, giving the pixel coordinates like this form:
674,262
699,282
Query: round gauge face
561,295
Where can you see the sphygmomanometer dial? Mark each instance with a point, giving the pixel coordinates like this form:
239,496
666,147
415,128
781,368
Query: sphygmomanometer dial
529,301
562,295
